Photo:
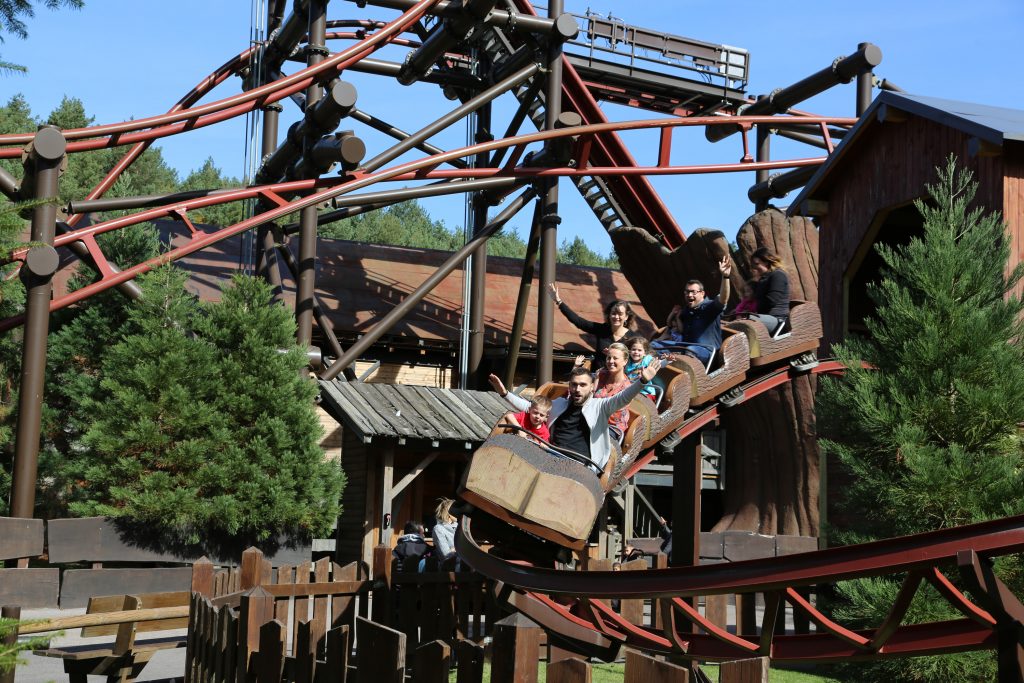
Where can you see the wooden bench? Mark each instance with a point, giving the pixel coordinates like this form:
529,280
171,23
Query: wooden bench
123,659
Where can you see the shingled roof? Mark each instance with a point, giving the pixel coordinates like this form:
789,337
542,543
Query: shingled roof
412,413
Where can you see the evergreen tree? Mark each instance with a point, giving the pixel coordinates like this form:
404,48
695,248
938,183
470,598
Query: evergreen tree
930,435
209,177
204,429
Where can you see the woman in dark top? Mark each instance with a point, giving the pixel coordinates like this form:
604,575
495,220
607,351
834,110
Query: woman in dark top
771,289
619,321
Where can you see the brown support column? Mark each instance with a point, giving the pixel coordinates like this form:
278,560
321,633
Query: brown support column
763,154
549,218
46,151
515,650
686,479
522,302
264,261
865,81
306,281
478,261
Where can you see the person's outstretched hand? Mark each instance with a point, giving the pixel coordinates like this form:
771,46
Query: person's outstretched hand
651,370
497,384
725,266
553,293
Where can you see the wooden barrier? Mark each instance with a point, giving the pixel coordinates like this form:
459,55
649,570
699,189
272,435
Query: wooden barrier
570,670
19,584
744,671
641,668
516,647
382,653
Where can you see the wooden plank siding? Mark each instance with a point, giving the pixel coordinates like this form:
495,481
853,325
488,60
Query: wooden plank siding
888,168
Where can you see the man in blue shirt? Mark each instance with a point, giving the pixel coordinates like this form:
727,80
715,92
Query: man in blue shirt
696,328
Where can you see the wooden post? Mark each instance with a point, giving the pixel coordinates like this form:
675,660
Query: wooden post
744,671
336,669
10,612
716,609
641,668
304,651
381,577
660,562
381,655
515,650
570,670
269,663
801,622
746,614
387,484
252,568
202,577
256,609
431,662
471,662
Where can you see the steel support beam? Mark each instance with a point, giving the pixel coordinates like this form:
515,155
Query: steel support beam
500,18
865,80
453,262
45,155
549,215
523,301
478,261
780,184
842,70
764,153
399,134
305,284
451,117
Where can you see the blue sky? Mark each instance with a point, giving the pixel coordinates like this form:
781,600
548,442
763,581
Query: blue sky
131,60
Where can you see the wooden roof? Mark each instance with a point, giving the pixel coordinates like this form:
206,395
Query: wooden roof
358,283
404,412
992,125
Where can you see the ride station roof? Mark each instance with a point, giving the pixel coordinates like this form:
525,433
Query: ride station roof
406,412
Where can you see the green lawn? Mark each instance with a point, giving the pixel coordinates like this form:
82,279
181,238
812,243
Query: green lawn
613,673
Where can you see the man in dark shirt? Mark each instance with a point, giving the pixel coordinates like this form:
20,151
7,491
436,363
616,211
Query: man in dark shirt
696,328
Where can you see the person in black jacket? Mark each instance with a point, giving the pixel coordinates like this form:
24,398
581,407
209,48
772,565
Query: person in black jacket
619,321
771,289
411,547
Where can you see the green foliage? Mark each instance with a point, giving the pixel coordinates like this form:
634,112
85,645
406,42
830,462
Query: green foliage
12,12
11,15
209,177
204,429
10,655
931,435
579,254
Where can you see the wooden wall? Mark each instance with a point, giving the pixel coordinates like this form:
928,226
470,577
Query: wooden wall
886,168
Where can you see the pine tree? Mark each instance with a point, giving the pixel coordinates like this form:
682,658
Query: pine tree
930,436
203,429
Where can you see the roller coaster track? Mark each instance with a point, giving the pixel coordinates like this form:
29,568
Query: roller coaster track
568,603
322,190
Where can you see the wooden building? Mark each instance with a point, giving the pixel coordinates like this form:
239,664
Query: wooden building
863,195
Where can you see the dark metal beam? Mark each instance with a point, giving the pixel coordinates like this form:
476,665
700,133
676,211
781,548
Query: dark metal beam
780,184
500,18
523,300
451,117
46,152
549,216
842,70
865,80
478,261
453,262
305,285
399,134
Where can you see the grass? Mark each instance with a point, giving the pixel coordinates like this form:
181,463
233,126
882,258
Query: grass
614,673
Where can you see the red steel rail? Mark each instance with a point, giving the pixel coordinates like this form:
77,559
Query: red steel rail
420,169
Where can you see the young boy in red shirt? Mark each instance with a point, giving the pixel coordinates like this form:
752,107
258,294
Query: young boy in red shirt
534,420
